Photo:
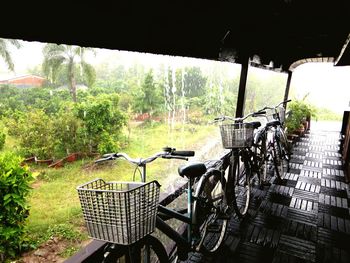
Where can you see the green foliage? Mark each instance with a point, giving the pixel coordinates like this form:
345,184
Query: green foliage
14,209
195,82
67,131
147,98
325,114
299,111
107,143
102,121
34,131
75,127
5,52
2,139
15,99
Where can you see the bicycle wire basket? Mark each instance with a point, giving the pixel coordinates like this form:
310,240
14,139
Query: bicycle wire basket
271,115
237,135
119,212
276,114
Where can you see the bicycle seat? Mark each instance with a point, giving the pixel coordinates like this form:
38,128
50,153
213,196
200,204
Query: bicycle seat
273,123
192,170
256,124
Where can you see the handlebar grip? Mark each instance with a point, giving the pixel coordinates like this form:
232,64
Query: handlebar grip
261,112
183,153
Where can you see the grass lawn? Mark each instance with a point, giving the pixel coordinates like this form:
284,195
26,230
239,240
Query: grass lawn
55,208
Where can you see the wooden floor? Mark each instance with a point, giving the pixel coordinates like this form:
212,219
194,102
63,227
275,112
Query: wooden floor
304,218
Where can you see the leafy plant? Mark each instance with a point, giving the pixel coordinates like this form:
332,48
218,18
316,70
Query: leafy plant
14,209
299,112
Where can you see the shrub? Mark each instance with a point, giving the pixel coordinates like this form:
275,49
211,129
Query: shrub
34,131
14,189
102,121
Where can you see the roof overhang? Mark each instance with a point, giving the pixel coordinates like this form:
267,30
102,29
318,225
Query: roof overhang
278,32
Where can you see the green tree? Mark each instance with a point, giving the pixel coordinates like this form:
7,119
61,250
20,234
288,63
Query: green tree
194,82
148,96
71,59
5,53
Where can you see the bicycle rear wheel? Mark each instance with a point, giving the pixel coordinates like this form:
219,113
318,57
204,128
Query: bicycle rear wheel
280,161
147,250
239,184
209,212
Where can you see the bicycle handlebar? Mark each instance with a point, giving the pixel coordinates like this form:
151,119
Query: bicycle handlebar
273,108
167,153
283,102
240,119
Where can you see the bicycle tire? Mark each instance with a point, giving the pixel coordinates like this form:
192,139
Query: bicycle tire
209,213
278,159
133,253
286,147
261,156
241,183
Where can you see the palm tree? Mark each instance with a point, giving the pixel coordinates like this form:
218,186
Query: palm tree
5,53
68,58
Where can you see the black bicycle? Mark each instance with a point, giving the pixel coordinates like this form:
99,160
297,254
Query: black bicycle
272,149
238,137
126,213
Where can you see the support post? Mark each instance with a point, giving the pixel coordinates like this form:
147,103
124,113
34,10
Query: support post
286,92
242,88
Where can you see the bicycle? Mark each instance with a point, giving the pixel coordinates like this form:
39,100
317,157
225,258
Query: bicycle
271,144
116,212
238,137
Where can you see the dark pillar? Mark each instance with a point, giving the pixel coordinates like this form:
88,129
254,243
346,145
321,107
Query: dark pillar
241,89
286,92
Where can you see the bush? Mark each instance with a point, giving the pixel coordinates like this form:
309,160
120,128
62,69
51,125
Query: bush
34,131
102,121
14,189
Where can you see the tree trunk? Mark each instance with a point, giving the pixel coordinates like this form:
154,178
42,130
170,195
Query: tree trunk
72,85
73,88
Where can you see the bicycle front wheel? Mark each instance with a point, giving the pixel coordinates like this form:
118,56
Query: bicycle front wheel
240,181
147,250
209,212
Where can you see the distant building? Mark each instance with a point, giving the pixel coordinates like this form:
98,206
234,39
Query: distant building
25,81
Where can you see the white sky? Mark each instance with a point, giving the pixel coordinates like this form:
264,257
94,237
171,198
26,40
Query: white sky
328,86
